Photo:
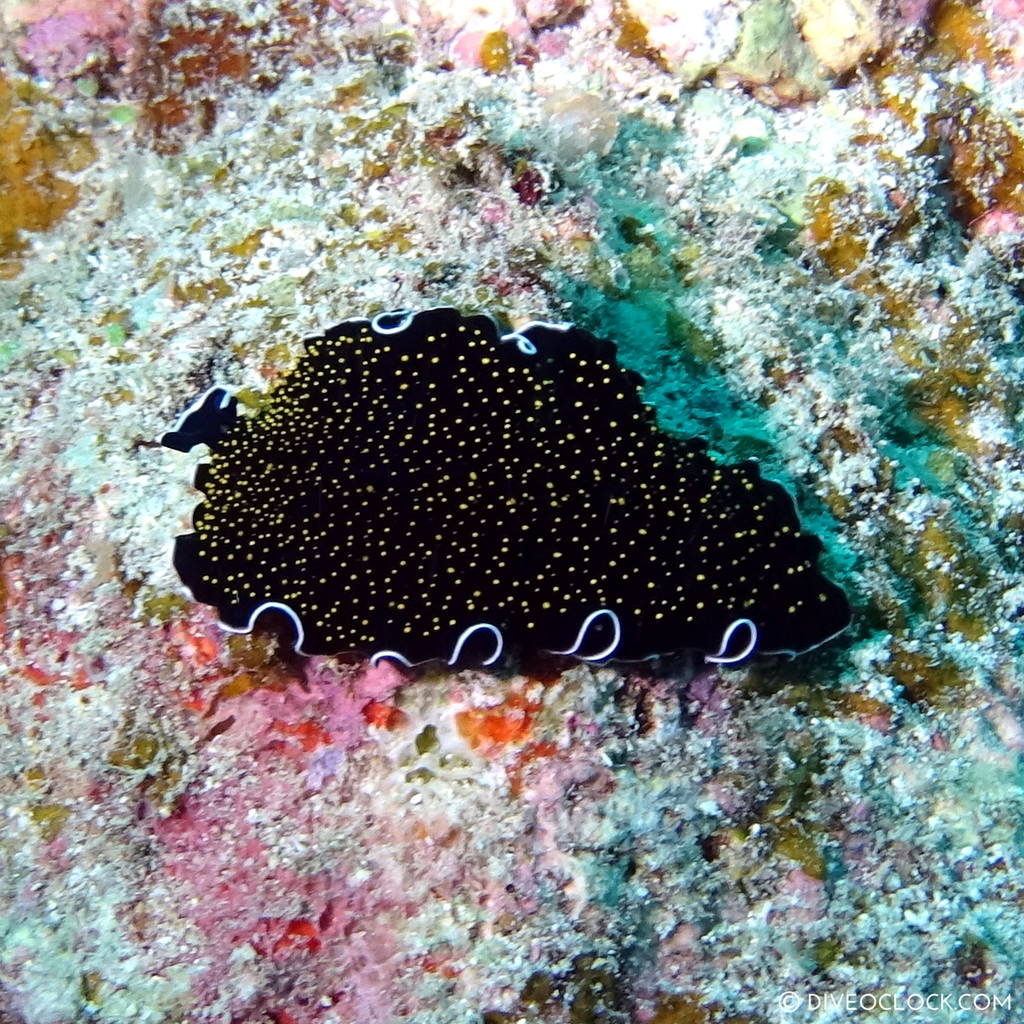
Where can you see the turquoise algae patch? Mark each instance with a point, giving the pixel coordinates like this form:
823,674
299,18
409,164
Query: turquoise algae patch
423,486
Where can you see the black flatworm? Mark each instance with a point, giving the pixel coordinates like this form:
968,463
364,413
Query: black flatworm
422,486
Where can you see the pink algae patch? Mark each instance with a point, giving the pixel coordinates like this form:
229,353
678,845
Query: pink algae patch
298,725
314,895
328,708
223,868
531,753
998,221
46,656
66,37
331,933
1006,10
801,899
200,648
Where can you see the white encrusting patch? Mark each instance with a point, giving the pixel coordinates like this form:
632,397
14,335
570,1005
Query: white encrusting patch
352,321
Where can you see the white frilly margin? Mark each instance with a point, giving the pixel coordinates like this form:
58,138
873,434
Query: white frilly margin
405,316
277,606
229,393
721,658
499,642
378,656
523,343
499,646
582,635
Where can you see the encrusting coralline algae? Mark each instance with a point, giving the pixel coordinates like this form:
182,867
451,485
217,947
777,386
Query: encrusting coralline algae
801,225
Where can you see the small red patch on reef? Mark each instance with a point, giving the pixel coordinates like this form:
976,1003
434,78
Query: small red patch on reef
529,186
383,715
309,735
530,753
488,729
299,935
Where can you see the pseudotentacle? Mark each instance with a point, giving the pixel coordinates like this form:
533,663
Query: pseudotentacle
422,486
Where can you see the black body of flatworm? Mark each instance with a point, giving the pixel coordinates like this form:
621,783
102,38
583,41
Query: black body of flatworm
422,486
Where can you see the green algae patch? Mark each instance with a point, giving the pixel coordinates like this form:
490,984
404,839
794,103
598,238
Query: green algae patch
9,351
135,753
123,114
699,344
162,607
50,820
926,678
798,843
426,740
